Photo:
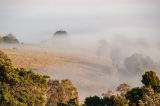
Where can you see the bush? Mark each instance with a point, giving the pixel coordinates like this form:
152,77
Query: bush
94,101
151,79
10,38
60,32
135,95
1,39
148,95
19,87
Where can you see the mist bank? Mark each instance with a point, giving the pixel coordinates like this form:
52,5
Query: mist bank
94,64
33,21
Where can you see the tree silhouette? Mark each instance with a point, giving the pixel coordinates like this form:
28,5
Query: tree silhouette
151,79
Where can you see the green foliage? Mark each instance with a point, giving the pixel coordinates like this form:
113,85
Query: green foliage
147,95
135,95
151,98
119,101
19,87
72,102
10,38
151,79
94,101
1,39
107,101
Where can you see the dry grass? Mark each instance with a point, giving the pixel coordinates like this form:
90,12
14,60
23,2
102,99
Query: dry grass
38,57
87,70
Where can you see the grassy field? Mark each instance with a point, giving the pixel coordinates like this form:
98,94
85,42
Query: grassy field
87,70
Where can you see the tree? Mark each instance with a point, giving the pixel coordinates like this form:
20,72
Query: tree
108,94
19,87
94,101
1,39
109,101
138,63
72,102
135,95
120,101
151,79
151,98
10,38
123,88
146,95
60,32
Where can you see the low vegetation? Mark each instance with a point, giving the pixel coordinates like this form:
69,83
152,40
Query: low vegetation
19,87
147,95
10,38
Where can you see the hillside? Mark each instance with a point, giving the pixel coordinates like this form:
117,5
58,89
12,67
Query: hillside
77,66
21,87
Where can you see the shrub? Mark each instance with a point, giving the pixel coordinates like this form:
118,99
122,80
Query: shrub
10,38
19,87
151,79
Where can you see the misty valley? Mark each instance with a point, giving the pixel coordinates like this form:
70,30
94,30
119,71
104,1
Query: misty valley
79,53
67,73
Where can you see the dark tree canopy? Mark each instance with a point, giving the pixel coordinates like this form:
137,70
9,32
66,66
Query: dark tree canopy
19,87
151,79
61,32
10,38
1,39
135,95
94,101
147,95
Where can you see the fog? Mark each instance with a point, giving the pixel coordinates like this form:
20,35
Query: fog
93,69
33,21
102,34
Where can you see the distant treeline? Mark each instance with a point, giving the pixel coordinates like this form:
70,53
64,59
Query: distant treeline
10,38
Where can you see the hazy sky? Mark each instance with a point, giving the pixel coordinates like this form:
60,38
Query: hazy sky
35,20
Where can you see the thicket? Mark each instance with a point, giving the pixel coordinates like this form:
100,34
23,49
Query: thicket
10,38
19,87
147,95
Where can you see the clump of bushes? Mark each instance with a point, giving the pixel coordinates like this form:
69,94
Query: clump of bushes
72,102
61,32
10,38
19,87
147,95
